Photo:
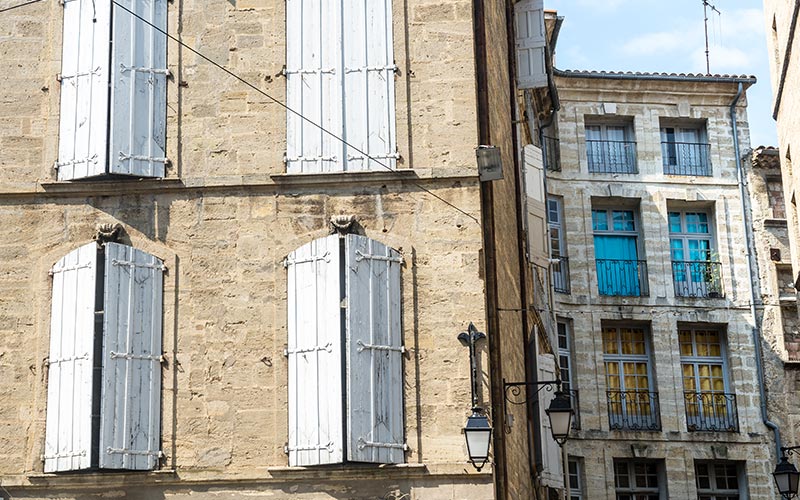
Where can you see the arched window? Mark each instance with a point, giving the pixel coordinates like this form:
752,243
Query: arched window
104,379
345,352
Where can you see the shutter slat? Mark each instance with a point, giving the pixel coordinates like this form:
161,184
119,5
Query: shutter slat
369,84
538,241
314,351
132,348
139,90
83,121
68,434
530,42
374,364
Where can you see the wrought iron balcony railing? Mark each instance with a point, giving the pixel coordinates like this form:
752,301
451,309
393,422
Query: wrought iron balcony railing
622,277
711,411
552,154
697,279
686,158
560,271
633,410
611,157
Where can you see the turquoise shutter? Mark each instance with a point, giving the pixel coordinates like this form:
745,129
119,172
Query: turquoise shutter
68,433
315,354
130,424
138,89
374,348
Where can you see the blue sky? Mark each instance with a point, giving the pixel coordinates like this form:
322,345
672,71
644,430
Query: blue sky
667,36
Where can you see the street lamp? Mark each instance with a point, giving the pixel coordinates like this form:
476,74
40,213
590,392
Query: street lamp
786,476
559,412
478,431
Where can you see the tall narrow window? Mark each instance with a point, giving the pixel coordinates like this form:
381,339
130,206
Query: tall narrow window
104,368
576,488
340,76
696,270
616,251
565,366
637,480
610,148
685,150
558,248
345,352
717,480
632,399
113,89
710,404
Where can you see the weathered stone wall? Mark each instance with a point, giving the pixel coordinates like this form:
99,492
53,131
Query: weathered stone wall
223,221
645,101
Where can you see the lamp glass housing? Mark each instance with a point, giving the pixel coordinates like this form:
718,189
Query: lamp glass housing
560,414
478,434
787,478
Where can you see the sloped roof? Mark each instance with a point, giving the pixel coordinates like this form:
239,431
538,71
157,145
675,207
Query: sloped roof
640,75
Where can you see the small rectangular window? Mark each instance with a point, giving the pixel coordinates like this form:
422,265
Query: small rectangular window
684,148
718,480
638,479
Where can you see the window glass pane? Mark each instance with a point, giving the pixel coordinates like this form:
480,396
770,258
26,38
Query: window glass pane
593,133
623,220
599,220
674,222
697,223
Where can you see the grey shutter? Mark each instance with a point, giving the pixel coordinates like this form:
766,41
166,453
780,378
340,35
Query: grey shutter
68,434
130,423
83,122
535,200
138,89
369,73
530,40
314,86
315,354
374,352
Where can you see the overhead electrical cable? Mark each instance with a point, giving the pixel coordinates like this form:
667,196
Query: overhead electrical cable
6,9
287,108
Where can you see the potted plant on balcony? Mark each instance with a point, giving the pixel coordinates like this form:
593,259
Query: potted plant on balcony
712,276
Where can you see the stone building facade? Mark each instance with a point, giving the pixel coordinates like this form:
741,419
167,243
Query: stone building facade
652,276
220,222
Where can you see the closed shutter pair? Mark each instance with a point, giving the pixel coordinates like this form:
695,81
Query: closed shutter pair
104,379
531,42
113,89
345,352
340,76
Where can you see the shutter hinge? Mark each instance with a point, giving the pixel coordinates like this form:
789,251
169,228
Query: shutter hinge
361,256
144,357
362,443
326,257
66,360
327,347
125,451
117,262
81,453
328,447
378,347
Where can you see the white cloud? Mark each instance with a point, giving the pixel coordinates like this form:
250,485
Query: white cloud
655,43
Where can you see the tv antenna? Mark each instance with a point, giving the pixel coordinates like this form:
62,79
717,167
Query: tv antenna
706,6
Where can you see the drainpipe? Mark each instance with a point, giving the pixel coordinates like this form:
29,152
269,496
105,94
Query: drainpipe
753,283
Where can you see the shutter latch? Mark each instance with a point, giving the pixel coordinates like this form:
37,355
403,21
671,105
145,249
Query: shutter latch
377,347
362,443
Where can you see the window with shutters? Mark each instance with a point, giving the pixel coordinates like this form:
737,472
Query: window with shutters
340,74
345,352
104,366
684,148
531,42
113,89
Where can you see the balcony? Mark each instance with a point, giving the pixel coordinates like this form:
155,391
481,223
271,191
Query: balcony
699,279
625,278
552,154
611,157
560,272
686,158
711,412
633,410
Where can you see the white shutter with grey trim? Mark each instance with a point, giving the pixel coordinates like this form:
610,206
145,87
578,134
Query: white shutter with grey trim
551,473
138,89
530,44
314,86
535,199
83,122
68,434
315,354
130,410
369,73
374,352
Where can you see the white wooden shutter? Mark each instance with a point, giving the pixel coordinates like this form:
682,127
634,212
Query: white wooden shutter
535,200
83,123
551,473
130,423
314,86
374,352
315,354
68,435
530,41
369,73
138,89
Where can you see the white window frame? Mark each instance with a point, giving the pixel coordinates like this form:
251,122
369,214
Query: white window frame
713,492
635,491
615,155
678,157
558,244
576,479
694,277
